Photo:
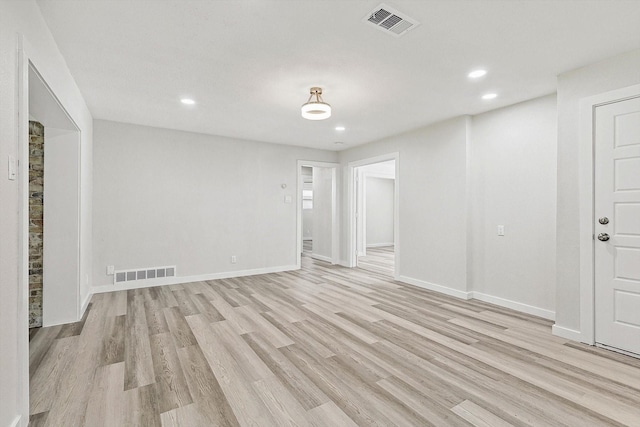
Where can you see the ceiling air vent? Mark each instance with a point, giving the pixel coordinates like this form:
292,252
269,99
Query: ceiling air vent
390,20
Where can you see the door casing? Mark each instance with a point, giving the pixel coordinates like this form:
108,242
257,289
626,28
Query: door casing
587,206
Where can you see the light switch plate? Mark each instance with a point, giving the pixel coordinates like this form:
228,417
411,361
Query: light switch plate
288,199
11,164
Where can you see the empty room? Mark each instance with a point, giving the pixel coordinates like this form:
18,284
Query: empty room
319,213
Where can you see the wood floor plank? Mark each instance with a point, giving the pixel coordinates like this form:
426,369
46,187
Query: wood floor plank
172,389
39,345
321,346
328,414
180,330
478,416
205,390
186,416
137,350
206,308
234,376
280,403
71,329
106,404
141,407
113,340
38,420
49,375
300,386
156,322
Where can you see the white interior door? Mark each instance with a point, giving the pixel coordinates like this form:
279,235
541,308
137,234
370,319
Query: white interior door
617,228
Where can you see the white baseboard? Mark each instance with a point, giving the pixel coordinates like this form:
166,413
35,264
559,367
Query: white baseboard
137,284
344,263
85,304
321,258
16,421
433,287
514,305
570,334
379,245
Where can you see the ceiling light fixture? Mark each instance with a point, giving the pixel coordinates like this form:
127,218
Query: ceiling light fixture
340,128
489,96
187,101
315,108
477,73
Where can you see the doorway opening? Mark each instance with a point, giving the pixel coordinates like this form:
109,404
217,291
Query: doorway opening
53,217
374,215
317,236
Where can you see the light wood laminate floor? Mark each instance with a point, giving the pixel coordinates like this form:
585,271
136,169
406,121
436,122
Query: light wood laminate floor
379,260
324,346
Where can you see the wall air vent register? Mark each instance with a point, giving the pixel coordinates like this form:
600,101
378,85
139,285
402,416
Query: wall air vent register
121,276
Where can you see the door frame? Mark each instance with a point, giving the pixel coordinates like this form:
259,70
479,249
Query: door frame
363,211
587,204
334,208
352,258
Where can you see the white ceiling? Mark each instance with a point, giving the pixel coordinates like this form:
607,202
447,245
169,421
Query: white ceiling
249,64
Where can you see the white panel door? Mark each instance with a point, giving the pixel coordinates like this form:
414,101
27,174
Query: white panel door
617,216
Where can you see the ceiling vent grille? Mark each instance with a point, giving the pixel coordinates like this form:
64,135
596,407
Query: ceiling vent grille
390,21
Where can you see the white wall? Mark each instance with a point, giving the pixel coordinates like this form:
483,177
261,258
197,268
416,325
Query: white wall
432,205
461,178
379,211
60,291
24,17
322,213
614,73
166,197
513,183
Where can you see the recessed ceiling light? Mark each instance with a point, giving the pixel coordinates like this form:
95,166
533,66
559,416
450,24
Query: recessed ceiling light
340,128
339,143
477,73
489,96
187,101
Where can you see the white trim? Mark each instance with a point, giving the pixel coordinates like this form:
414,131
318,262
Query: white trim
352,259
22,154
368,174
437,288
139,284
334,208
586,197
514,305
16,421
322,258
570,334
618,350
379,245
85,303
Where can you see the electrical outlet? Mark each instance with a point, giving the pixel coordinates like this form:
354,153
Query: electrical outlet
501,230
111,270
233,259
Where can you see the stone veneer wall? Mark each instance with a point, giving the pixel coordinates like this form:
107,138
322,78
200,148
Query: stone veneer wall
36,200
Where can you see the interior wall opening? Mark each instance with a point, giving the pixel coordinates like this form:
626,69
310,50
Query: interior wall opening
53,216
375,217
317,211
